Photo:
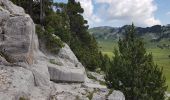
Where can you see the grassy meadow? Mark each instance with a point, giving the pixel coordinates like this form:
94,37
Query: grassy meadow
160,56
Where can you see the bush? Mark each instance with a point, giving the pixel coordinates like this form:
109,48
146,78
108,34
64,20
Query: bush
59,23
52,42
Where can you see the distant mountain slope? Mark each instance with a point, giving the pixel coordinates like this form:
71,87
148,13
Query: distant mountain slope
154,33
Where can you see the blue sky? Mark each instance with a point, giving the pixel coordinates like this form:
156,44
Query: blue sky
120,12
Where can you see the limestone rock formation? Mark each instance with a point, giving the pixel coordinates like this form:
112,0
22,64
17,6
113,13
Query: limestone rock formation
28,74
22,74
17,31
66,68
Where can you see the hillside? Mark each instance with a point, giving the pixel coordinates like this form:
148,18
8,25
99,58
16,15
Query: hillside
153,34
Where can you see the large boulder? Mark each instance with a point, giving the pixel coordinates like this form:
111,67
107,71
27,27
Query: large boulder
16,33
65,67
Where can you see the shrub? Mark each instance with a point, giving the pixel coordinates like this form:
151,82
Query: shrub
52,42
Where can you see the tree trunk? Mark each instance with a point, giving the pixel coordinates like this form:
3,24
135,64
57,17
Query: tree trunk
41,12
30,7
19,2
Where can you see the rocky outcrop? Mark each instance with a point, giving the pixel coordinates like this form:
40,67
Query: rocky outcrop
23,68
28,74
15,82
11,8
17,31
65,67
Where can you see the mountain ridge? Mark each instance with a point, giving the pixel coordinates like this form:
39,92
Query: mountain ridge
156,32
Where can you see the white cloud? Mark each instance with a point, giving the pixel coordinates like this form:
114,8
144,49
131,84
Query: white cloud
88,11
141,12
151,21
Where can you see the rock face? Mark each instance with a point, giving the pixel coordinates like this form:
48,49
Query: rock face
28,74
66,68
10,86
11,8
17,31
22,73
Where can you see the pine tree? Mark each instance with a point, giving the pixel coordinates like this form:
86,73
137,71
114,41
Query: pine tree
105,61
133,71
82,43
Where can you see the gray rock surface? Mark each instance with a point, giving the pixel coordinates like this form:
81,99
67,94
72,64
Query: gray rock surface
15,81
11,8
97,76
67,68
17,31
100,94
64,74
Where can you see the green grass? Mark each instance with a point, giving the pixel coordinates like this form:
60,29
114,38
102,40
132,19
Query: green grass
107,45
160,56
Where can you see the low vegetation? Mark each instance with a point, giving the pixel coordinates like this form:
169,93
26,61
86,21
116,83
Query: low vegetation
90,94
52,42
23,98
94,78
110,92
53,61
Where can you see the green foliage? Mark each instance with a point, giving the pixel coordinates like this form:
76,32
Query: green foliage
90,95
52,42
53,61
33,8
160,56
82,43
23,98
133,71
105,61
60,23
94,78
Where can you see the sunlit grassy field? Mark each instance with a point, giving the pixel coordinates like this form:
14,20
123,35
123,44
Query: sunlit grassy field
160,56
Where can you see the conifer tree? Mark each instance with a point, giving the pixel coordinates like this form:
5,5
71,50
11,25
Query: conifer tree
82,43
133,71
